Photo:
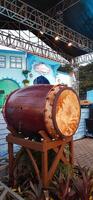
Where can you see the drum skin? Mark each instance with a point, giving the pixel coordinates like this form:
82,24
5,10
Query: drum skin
54,109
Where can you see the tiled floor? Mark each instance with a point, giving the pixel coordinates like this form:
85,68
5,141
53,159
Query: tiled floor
83,152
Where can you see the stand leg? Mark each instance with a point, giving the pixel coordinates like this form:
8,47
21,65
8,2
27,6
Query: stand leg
11,164
57,146
45,168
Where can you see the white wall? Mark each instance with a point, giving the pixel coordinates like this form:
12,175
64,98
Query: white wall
63,78
13,73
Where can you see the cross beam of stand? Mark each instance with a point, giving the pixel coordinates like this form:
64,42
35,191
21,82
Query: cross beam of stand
44,146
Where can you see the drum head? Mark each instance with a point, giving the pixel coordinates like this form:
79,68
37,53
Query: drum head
66,112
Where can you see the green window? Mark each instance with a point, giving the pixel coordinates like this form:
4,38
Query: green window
2,61
16,62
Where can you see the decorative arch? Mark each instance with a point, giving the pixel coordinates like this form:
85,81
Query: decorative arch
8,86
41,80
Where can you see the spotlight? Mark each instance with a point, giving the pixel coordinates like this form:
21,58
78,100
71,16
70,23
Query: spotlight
69,44
41,32
57,38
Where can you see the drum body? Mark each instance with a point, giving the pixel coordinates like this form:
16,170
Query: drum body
54,109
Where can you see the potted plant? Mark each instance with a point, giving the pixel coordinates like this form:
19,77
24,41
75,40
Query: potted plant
25,73
25,82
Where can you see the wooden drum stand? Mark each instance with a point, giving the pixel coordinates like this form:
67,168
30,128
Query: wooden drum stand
44,146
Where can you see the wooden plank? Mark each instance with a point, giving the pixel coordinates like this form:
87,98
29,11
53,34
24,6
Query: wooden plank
24,142
4,131
45,166
3,126
54,144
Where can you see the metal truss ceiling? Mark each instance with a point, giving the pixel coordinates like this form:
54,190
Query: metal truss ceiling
10,40
58,10
84,59
29,16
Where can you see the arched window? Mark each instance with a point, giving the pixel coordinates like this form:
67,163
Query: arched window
8,86
41,80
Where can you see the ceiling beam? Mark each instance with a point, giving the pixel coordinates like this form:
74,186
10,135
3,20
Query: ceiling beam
16,40
33,18
84,59
58,10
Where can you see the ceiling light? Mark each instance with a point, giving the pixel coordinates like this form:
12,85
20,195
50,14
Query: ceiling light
69,44
57,38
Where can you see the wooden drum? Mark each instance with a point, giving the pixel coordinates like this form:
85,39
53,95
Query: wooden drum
54,109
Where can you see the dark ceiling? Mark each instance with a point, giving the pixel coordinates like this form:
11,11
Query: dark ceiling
79,17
